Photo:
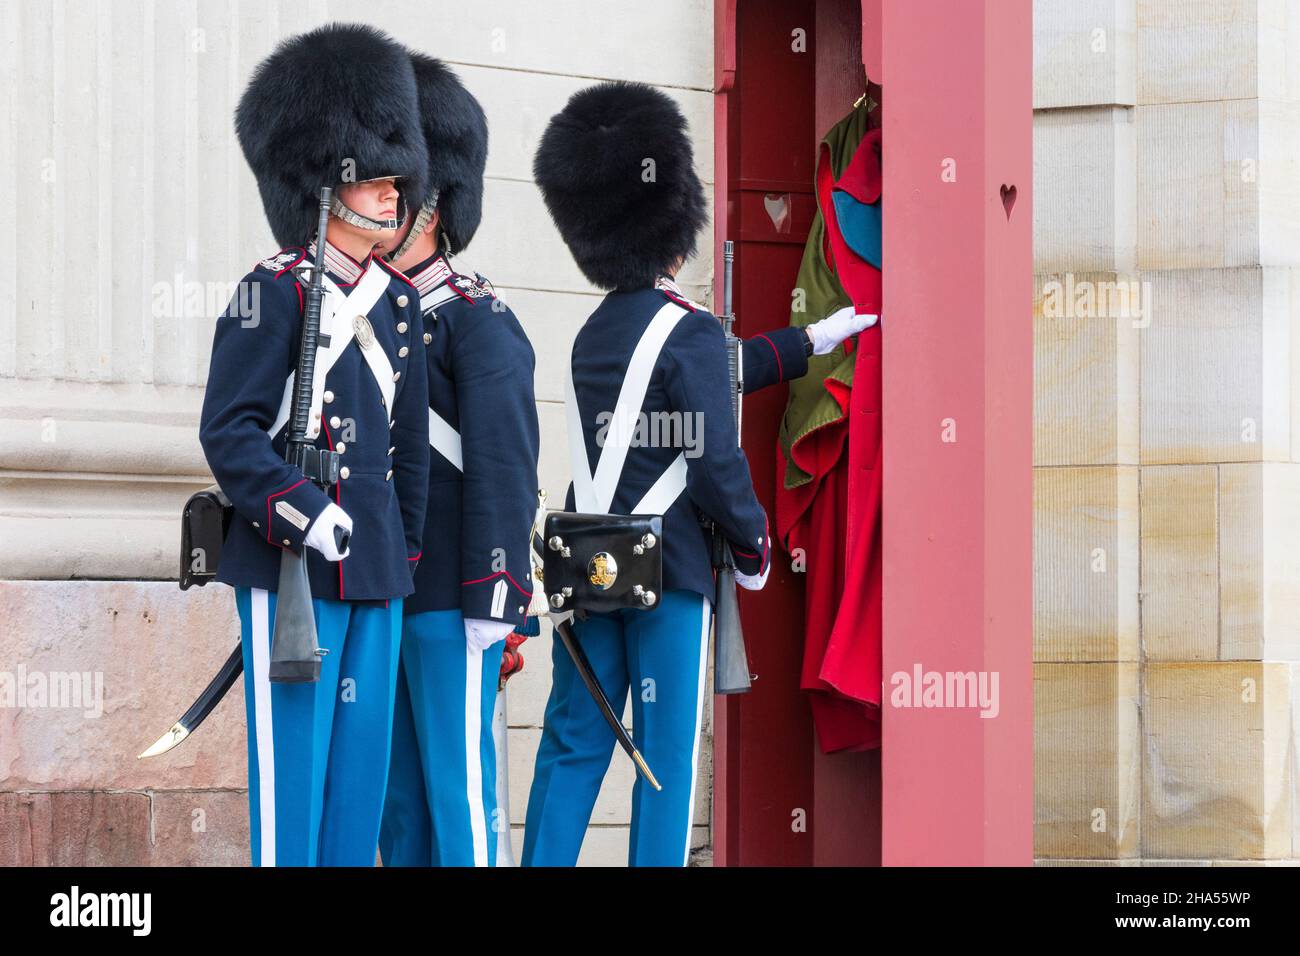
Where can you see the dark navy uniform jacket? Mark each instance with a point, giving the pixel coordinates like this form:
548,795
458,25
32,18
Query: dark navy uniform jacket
690,378
483,435
377,357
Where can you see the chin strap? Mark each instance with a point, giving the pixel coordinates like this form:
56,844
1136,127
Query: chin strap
365,222
427,209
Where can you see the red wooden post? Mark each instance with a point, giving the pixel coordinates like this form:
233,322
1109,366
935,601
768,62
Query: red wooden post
958,404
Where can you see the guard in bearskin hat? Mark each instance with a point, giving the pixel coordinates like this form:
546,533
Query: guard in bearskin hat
473,586
616,170
330,108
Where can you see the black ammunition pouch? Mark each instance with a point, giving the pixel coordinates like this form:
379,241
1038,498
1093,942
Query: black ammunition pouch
599,563
204,523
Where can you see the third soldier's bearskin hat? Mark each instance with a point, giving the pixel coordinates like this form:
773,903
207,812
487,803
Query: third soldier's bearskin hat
456,133
334,105
616,170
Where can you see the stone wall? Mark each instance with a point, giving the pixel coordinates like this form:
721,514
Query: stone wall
132,215
1167,430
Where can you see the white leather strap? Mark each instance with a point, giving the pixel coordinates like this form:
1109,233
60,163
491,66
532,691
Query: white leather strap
584,493
445,440
631,398
359,301
667,488
594,493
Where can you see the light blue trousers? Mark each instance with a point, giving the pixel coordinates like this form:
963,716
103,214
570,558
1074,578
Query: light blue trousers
660,656
318,753
441,808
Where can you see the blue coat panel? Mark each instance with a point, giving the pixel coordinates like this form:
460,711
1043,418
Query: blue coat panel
374,334
482,489
690,383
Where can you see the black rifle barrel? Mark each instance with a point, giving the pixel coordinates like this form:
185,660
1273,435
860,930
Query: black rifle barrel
730,659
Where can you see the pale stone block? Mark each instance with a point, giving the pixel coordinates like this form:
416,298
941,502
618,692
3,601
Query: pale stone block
1279,56
1279,176
551,320
518,246
1259,562
1084,53
1085,564
1086,368
1216,365
1088,863
520,104
1200,50
1087,760
1195,205
1218,773
1085,165
669,43
137,654
1180,563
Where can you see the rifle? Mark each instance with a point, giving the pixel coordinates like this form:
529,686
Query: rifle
730,660
295,658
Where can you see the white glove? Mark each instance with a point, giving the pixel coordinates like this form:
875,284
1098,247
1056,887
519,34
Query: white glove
753,582
481,634
321,533
837,327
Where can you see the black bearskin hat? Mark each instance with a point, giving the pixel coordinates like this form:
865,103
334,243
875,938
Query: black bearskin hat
624,218
334,105
456,132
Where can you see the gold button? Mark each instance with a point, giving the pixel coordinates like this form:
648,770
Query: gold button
402,300
389,476
343,472
402,353
402,326
340,448
427,338
396,376
335,422
328,396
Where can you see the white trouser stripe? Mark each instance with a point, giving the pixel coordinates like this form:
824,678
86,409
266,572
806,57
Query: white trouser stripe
705,621
473,762
262,729
500,737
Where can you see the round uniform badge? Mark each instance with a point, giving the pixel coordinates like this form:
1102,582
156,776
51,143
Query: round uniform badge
364,333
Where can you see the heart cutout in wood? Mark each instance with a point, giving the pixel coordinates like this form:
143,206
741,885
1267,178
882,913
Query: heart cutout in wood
777,206
1008,198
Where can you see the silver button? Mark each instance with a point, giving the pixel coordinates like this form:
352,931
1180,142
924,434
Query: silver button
328,396
256,525
427,338
402,300
521,609
389,476
335,422
402,353
396,376
391,450
340,448
391,424
343,472
287,542
402,326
